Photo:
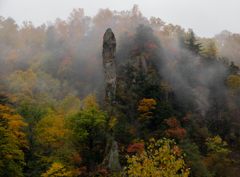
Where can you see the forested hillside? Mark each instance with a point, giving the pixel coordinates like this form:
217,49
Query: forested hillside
175,110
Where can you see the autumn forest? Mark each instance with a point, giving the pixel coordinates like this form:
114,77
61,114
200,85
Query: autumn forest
172,108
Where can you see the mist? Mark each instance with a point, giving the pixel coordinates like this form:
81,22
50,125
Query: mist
169,84
67,54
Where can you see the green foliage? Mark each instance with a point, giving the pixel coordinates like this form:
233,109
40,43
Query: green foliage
12,158
144,34
197,132
122,130
4,100
46,83
86,125
233,69
51,68
192,43
32,115
217,156
86,133
194,159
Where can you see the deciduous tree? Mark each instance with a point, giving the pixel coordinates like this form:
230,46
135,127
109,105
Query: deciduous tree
162,158
11,140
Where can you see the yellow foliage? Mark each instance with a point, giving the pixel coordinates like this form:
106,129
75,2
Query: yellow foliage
71,104
12,59
19,97
50,130
210,51
13,122
57,170
146,105
216,144
159,160
11,141
156,23
233,82
35,62
22,84
91,101
112,122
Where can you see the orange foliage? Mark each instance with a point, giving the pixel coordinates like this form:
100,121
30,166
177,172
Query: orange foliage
79,170
146,105
132,130
186,118
175,131
13,123
150,47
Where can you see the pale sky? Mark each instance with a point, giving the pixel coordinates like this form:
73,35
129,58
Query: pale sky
205,17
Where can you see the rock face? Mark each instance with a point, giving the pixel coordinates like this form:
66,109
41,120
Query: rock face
137,64
111,161
108,54
144,64
113,157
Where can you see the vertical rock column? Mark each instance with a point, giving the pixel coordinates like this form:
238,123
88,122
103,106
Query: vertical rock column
108,54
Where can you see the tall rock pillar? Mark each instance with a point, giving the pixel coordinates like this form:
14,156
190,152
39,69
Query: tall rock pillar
108,54
111,162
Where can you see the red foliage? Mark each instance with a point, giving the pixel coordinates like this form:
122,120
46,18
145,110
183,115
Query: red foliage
78,160
150,47
103,172
82,170
97,172
136,147
134,48
177,150
59,144
175,131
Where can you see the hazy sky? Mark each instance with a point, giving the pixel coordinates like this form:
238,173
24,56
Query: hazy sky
205,17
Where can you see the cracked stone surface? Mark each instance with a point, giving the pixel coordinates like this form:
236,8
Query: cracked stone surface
109,63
